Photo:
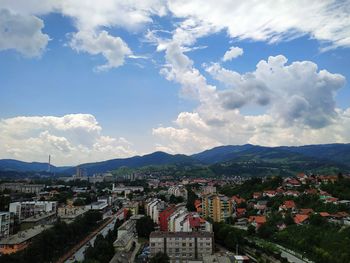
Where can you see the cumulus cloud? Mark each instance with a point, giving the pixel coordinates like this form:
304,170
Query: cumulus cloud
232,53
298,92
70,139
91,18
297,100
114,49
22,33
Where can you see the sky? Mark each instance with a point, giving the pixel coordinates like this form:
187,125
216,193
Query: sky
86,80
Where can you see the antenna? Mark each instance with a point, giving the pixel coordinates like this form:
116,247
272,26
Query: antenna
49,164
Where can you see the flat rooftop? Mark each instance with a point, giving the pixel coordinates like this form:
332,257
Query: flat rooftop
25,235
181,234
38,217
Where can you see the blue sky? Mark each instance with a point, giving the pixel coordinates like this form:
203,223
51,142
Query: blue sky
164,84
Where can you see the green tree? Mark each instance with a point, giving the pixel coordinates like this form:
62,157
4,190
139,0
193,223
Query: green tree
160,258
144,226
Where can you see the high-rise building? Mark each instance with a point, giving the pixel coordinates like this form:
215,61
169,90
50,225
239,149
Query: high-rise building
4,224
182,246
217,207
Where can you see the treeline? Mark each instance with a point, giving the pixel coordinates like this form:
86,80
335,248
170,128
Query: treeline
247,189
340,189
321,243
102,250
52,243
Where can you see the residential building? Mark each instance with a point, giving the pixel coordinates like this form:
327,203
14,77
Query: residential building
4,224
209,189
22,187
182,246
127,235
164,216
216,207
21,240
183,221
27,209
70,212
178,190
257,221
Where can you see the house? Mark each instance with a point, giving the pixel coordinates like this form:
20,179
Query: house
240,212
324,214
270,193
261,206
257,195
257,221
306,211
300,219
292,182
311,191
291,193
237,200
288,205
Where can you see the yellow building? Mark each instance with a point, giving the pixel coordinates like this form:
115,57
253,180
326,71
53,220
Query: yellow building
217,207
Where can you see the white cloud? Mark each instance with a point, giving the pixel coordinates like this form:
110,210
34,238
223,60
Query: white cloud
70,139
114,49
232,53
92,19
298,103
295,93
272,20
22,33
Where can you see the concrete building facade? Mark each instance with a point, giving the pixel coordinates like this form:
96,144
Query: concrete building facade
182,246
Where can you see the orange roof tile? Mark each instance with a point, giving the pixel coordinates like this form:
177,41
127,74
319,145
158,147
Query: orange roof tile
298,218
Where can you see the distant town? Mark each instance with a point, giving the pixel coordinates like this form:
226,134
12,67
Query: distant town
138,217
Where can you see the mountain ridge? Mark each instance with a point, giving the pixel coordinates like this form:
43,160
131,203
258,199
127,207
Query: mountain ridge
333,154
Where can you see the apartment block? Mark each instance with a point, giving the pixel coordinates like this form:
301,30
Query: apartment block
182,246
178,190
31,208
217,207
4,224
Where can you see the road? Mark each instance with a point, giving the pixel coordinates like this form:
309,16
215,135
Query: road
79,254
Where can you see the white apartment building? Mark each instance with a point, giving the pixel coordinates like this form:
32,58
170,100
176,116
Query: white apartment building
178,190
184,221
153,208
30,208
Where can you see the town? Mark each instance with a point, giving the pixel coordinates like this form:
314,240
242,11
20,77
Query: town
139,217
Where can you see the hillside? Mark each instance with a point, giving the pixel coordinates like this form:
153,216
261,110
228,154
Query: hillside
156,158
19,166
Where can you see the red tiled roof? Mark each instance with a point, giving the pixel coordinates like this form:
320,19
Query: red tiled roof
324,214
298,218
194,221
306,211
258,219
241,210
238,199
289,204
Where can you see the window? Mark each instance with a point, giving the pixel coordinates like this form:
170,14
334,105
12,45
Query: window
177,250
183,244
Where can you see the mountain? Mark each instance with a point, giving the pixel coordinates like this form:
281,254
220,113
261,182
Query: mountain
254,160
156,158
336,152
221,153
231,159
19,166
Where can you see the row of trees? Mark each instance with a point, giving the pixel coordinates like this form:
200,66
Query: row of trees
54,242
